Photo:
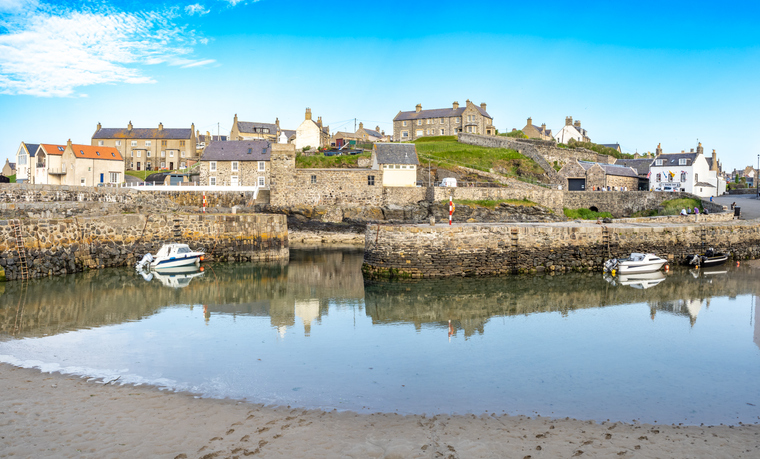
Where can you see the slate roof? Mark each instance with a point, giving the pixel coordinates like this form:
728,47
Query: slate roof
214,138
32,148
436,113
639,165
612,169
373,133
671,159
254,127
616,146
396,153
288,132
704,184
238,150
143,133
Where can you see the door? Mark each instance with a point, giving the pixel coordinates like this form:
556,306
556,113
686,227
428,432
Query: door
138,165
234,180
576,184
102,178
171,166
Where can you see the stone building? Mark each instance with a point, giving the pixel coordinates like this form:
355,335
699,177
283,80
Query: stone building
73,164
536,132
408,126
688,172
590,176
253,130
398,162
9,168
369,135
572,130
641,166
241,163
311,133
25,162
148,148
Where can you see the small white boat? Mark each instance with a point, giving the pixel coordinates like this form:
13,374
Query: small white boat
636,263
171,256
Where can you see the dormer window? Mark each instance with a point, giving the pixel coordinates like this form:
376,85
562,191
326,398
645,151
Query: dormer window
682,162
658,162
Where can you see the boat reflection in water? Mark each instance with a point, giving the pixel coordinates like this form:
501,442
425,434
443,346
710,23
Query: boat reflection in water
639,281
177,277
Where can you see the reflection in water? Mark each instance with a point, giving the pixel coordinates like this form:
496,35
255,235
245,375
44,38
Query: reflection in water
312,332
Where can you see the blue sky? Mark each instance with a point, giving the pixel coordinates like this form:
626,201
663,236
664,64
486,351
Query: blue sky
634,73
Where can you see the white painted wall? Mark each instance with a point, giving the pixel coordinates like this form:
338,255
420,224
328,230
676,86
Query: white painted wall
399,175
307,135
698,171
566,133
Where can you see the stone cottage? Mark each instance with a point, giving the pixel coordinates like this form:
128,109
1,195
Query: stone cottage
589,176
239,163
572,130
537,132
253,130
72,164
311,133
150,148
398,162
471,118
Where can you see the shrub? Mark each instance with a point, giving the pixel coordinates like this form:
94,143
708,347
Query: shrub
518,134
585,214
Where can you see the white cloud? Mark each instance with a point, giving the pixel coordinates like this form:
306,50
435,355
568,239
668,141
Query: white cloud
52,54
16,5
196,8
199,63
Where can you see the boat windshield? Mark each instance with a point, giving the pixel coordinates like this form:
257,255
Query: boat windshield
184,250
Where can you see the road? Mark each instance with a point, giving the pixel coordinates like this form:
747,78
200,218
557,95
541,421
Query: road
748,202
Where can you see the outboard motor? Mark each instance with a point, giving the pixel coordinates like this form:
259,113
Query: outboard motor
610,265
147,259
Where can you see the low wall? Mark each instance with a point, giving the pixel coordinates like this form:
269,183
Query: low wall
475,250
63,246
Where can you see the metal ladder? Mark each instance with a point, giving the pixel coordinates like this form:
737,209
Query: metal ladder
606,240
20,249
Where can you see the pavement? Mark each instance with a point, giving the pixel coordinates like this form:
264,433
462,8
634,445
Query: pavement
750,205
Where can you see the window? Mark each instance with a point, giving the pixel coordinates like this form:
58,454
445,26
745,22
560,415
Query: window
696,177
658,162
419,122
163,154
134,143
147,154
114,176
404,134
100,143
441,120
163,143
234,166
403,123
682,161
262,181
139,153
457,120
262,166
441,131
181,143
22,160
171,153
683,177
163,164
419,132
147,143
371,180
212,181
659,176
212,166
313,179
265,131
82,182
182,165
118,143
234,180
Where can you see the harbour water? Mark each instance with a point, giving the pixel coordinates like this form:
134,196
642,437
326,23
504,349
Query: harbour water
683,347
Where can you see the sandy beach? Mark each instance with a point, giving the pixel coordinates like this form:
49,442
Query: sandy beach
53,415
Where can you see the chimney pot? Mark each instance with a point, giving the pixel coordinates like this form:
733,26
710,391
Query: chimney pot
308,113
99,126
577,123
530,121
456,105
418,108
483,106
568,121
160,126
129,126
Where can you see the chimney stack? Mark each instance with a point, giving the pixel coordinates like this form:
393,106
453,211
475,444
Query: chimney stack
129,126
700,150
658,151
277,123
419,108
530,121
319,121
483,106
308,113
361,125
543,128
68,144
714,166
99,126
456,105
160,127
568,121
691,151
377,128
577,123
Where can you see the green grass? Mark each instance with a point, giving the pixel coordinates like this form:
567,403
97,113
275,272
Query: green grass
516,134
141,174
329,162
449,154
672,207
585,214
12,178
492,203
440,138
602,150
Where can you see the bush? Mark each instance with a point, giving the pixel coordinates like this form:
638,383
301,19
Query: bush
306,148
517,134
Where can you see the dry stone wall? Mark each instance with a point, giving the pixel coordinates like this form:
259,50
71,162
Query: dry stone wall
477,250
62,246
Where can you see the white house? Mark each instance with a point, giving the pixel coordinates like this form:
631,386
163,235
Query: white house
571,131
312,134
689,172
398,161
25,162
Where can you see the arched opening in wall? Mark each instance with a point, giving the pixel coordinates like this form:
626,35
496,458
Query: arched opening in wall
593,209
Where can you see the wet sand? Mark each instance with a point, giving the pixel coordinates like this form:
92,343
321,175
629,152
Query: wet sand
53,415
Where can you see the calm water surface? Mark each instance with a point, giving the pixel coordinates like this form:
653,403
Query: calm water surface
313,333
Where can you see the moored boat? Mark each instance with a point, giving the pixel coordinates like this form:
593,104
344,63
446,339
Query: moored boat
636,263
172,255
706,260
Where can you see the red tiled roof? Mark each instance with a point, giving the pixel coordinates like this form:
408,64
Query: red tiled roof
96,152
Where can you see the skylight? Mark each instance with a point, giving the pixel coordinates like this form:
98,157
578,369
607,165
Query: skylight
81,151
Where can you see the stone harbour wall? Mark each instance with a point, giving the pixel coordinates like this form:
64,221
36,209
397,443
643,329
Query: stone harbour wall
63,246
492,249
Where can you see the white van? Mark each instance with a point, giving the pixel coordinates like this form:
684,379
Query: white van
449,182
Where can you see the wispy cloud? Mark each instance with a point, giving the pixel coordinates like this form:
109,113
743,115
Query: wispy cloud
51,51
196,8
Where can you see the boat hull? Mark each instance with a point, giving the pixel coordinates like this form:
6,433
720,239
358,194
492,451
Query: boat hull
707,262
176,262
638,268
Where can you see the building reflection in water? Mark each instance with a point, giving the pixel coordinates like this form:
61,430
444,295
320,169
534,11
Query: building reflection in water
757,325
315,281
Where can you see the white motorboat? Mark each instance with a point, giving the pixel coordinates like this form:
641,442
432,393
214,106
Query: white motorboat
636,263
171,256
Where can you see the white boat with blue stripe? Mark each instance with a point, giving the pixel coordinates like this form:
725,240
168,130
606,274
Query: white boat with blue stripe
172,256
635,264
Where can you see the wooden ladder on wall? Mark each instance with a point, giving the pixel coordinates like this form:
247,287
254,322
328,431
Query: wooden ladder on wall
20,249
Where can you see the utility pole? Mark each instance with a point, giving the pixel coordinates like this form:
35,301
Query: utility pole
354,124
